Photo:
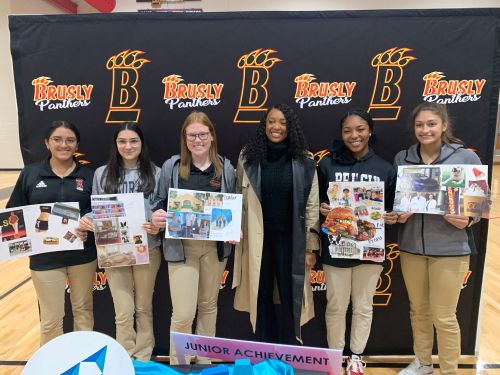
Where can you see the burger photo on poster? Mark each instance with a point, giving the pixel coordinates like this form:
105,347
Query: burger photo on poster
341,221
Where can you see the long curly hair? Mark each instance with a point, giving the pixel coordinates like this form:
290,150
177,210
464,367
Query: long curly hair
255,149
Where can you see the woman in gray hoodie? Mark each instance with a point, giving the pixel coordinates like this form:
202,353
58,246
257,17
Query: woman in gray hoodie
435,249
130,170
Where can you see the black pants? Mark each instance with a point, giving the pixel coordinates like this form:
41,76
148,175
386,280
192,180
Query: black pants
276,262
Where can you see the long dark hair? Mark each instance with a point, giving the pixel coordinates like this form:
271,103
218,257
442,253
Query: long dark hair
114,174
440,110
256,148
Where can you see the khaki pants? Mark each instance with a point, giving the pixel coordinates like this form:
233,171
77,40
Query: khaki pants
195,284
433,285
50,288
342,285
132,290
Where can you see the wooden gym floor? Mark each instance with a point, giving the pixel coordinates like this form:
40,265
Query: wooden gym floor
19,328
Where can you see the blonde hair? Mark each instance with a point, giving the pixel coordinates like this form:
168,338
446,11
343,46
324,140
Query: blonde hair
185,166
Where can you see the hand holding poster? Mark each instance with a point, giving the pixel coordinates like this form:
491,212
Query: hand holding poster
200,215
443,189
119,236
355,225
40,228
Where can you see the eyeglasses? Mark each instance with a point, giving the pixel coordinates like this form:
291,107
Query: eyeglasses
191,137
122,142
59,141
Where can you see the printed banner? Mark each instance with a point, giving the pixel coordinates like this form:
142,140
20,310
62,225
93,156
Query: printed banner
355,225
39,228
299,357
443,189
321,63
199,215
119,236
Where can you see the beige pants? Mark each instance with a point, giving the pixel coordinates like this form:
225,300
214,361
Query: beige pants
194,285
342,285
433,285
132,289
50,288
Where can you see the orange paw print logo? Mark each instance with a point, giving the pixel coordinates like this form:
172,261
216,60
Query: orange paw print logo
435,76
393,56
258,58
306,77
43,81
172,78
126,59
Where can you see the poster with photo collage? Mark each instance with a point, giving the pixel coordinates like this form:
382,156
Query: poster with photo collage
201,215
39,228
119,236
355,224
443,189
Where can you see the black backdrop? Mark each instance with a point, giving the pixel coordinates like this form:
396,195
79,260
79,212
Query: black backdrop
98,70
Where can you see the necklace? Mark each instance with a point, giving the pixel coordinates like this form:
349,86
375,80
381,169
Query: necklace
65,172
429,154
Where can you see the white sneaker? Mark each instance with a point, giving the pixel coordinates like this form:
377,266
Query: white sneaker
416,368
355,365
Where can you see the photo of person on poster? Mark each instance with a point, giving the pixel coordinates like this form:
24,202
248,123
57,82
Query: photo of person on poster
431,203
418,202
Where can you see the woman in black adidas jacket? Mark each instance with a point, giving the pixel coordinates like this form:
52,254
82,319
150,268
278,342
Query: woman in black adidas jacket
60,178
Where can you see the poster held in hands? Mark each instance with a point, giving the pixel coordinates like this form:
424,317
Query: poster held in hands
355,224
460,189
201,215
119,236
39,228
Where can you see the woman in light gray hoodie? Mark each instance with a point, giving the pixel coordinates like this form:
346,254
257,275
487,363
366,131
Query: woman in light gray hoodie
435,249
130,170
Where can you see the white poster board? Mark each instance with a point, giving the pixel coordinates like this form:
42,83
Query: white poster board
460,189
119,236
39,228
355,225
201,215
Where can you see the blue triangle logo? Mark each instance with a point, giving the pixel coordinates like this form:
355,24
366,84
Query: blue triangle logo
99,358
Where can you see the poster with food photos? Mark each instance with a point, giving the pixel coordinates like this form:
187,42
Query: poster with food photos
119,236
355,223
201,215
39,228
460,189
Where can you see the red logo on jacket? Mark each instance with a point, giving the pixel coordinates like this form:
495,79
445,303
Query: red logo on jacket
79,184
